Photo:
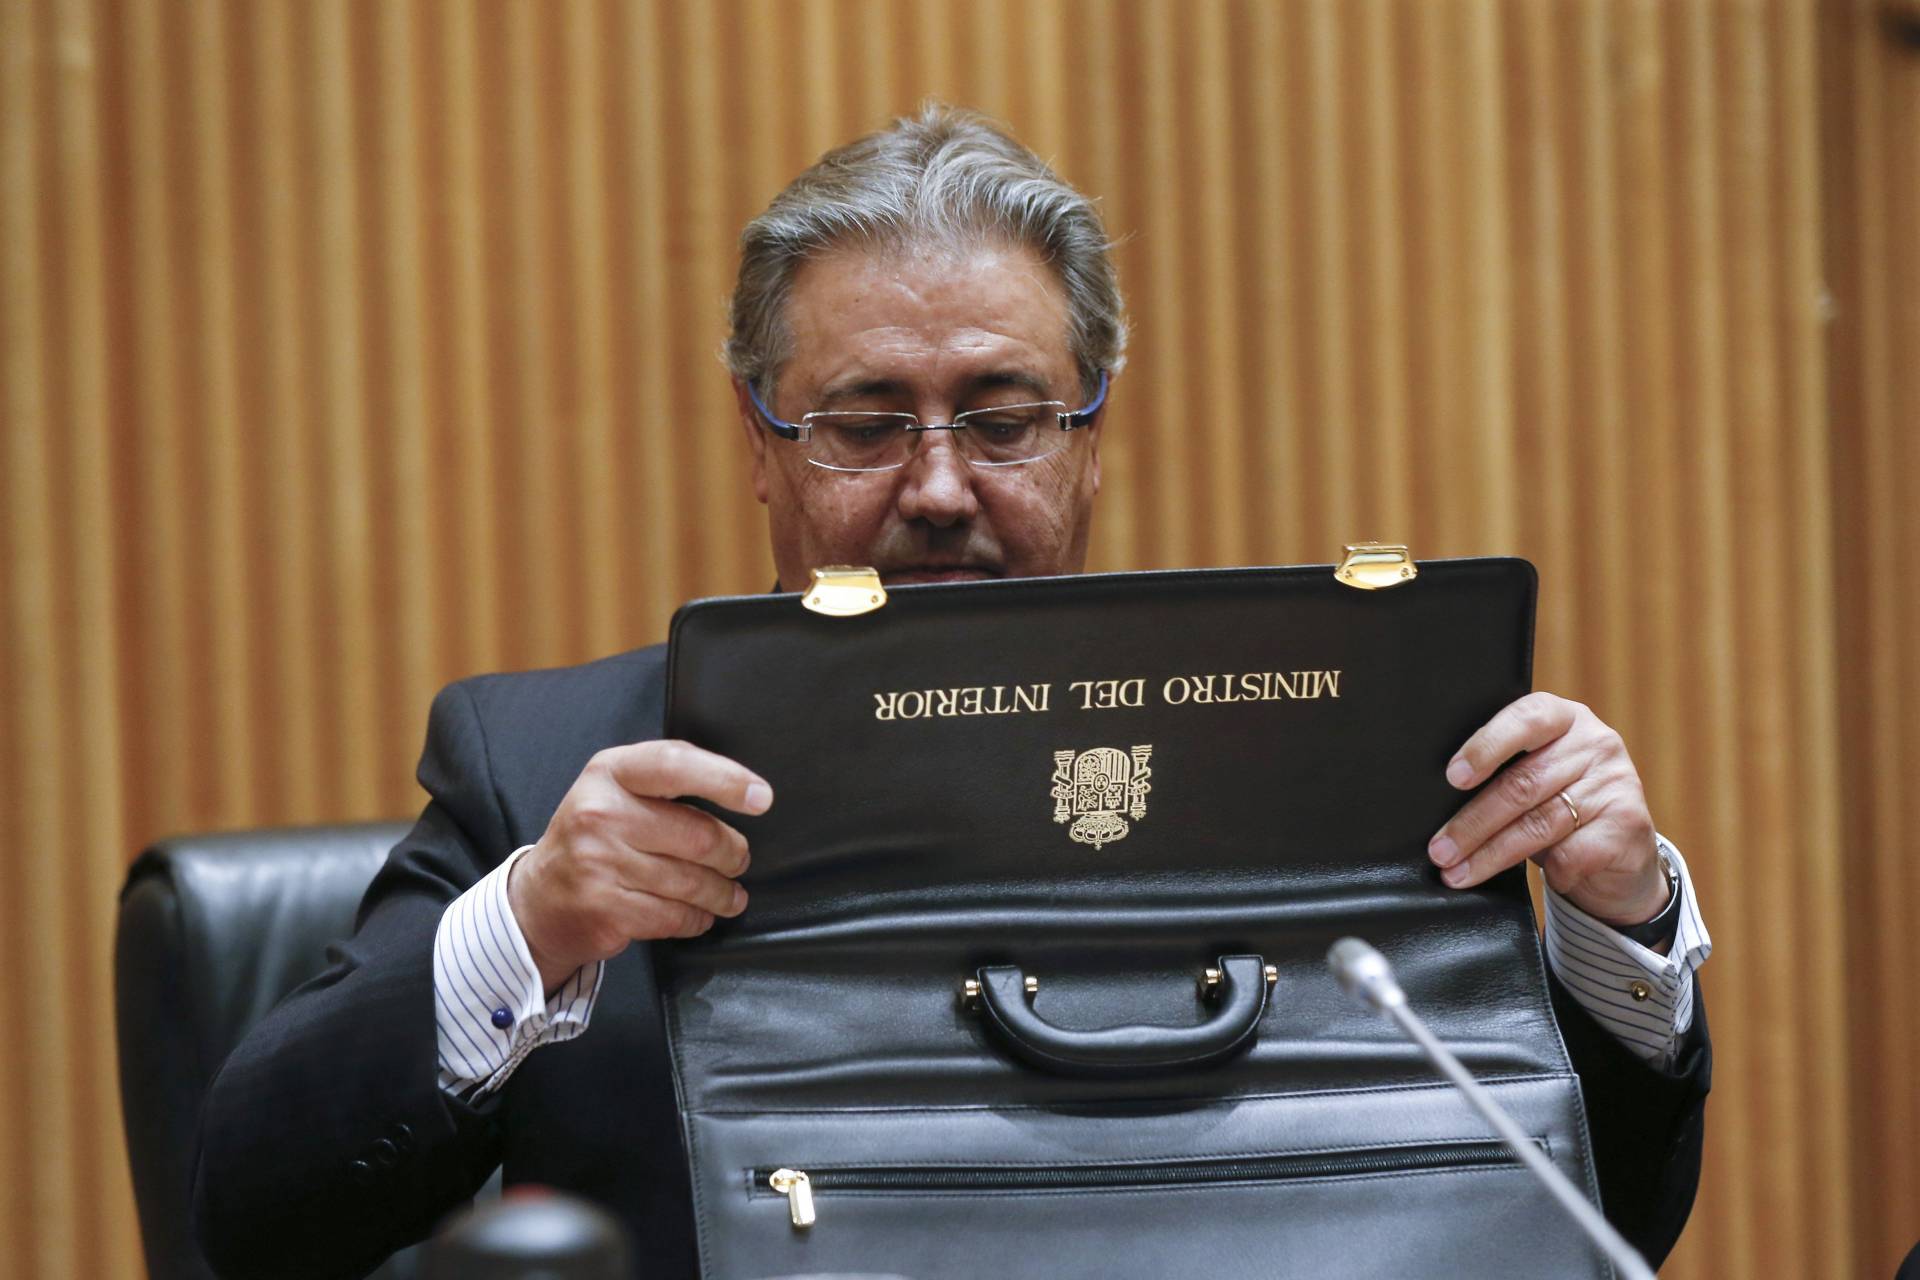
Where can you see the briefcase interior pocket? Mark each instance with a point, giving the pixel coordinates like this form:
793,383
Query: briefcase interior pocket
1368,1181
810,1192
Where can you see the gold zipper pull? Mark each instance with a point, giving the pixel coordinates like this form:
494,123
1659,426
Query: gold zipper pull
798,1189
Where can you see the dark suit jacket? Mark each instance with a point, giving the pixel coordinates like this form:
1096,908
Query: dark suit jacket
327,1142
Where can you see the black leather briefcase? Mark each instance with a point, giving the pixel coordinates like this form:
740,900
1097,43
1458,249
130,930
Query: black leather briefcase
1032,981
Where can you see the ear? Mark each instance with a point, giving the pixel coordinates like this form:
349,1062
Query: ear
1093,464
756,434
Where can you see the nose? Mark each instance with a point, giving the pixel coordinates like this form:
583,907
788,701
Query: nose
938,487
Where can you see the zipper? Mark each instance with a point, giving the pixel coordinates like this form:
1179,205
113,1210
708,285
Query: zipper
798,1186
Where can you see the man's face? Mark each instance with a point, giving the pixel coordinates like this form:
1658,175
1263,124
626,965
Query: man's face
931,333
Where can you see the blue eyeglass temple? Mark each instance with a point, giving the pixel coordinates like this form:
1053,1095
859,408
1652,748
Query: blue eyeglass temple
791,430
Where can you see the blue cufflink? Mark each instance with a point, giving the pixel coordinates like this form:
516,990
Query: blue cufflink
502,1019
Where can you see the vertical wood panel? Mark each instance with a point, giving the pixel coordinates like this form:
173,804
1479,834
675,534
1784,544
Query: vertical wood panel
350,347
340,388
295,700
1815,779
42,1119
593,475
475,563
1388,422
411,608
71,187
1166,536
219,355
649,539
1871,146
1104,124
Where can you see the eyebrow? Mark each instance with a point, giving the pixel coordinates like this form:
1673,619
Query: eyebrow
884,388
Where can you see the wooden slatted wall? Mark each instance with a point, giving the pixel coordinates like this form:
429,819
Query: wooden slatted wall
348,348
1871,156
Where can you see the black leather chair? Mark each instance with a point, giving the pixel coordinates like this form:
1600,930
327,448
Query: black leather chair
213,931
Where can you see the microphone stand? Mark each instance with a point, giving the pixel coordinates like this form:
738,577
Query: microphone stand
1364,972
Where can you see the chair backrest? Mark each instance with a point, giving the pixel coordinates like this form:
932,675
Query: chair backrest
213,931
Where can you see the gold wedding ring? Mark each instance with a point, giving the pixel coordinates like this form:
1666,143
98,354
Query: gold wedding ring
1568,801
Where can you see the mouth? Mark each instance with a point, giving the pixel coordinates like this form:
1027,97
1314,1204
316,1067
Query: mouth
913,573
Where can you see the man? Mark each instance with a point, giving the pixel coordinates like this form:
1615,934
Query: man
935,269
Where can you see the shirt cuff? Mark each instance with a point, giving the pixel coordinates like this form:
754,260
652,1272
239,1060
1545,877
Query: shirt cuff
489,1005
1644,998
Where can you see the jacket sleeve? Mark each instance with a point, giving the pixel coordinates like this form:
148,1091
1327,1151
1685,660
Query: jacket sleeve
1647,1125
326,1142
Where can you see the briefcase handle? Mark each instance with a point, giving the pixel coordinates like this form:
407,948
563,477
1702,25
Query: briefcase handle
1125,1050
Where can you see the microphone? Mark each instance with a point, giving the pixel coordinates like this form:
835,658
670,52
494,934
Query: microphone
1365,974
530,1233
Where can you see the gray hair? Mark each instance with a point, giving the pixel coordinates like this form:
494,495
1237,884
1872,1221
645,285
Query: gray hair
943,177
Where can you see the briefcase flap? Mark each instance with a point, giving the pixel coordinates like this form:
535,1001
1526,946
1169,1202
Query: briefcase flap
1104,785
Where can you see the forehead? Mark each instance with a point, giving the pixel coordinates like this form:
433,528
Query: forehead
923,317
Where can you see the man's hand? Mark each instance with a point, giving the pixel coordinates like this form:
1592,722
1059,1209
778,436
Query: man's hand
624,861
1607,863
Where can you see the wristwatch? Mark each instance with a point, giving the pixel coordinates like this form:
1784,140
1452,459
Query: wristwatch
1665,927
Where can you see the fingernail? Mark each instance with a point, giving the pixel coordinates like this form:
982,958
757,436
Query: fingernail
1455,875
1460,773
739,899
759,797
1443,851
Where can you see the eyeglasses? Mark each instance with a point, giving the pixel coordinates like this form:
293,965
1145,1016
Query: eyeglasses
1007,435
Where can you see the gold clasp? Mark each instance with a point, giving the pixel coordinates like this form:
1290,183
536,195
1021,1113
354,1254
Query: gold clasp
970,992
844,591
1372,566
1212,981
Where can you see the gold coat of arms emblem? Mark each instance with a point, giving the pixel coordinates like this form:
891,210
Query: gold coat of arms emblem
1098,790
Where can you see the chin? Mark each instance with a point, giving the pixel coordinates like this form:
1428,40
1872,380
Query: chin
910,576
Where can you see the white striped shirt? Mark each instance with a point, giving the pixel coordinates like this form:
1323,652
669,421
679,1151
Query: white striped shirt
492,1012
1644,998
489,1004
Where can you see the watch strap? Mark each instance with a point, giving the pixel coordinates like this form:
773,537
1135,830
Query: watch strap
1665,927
